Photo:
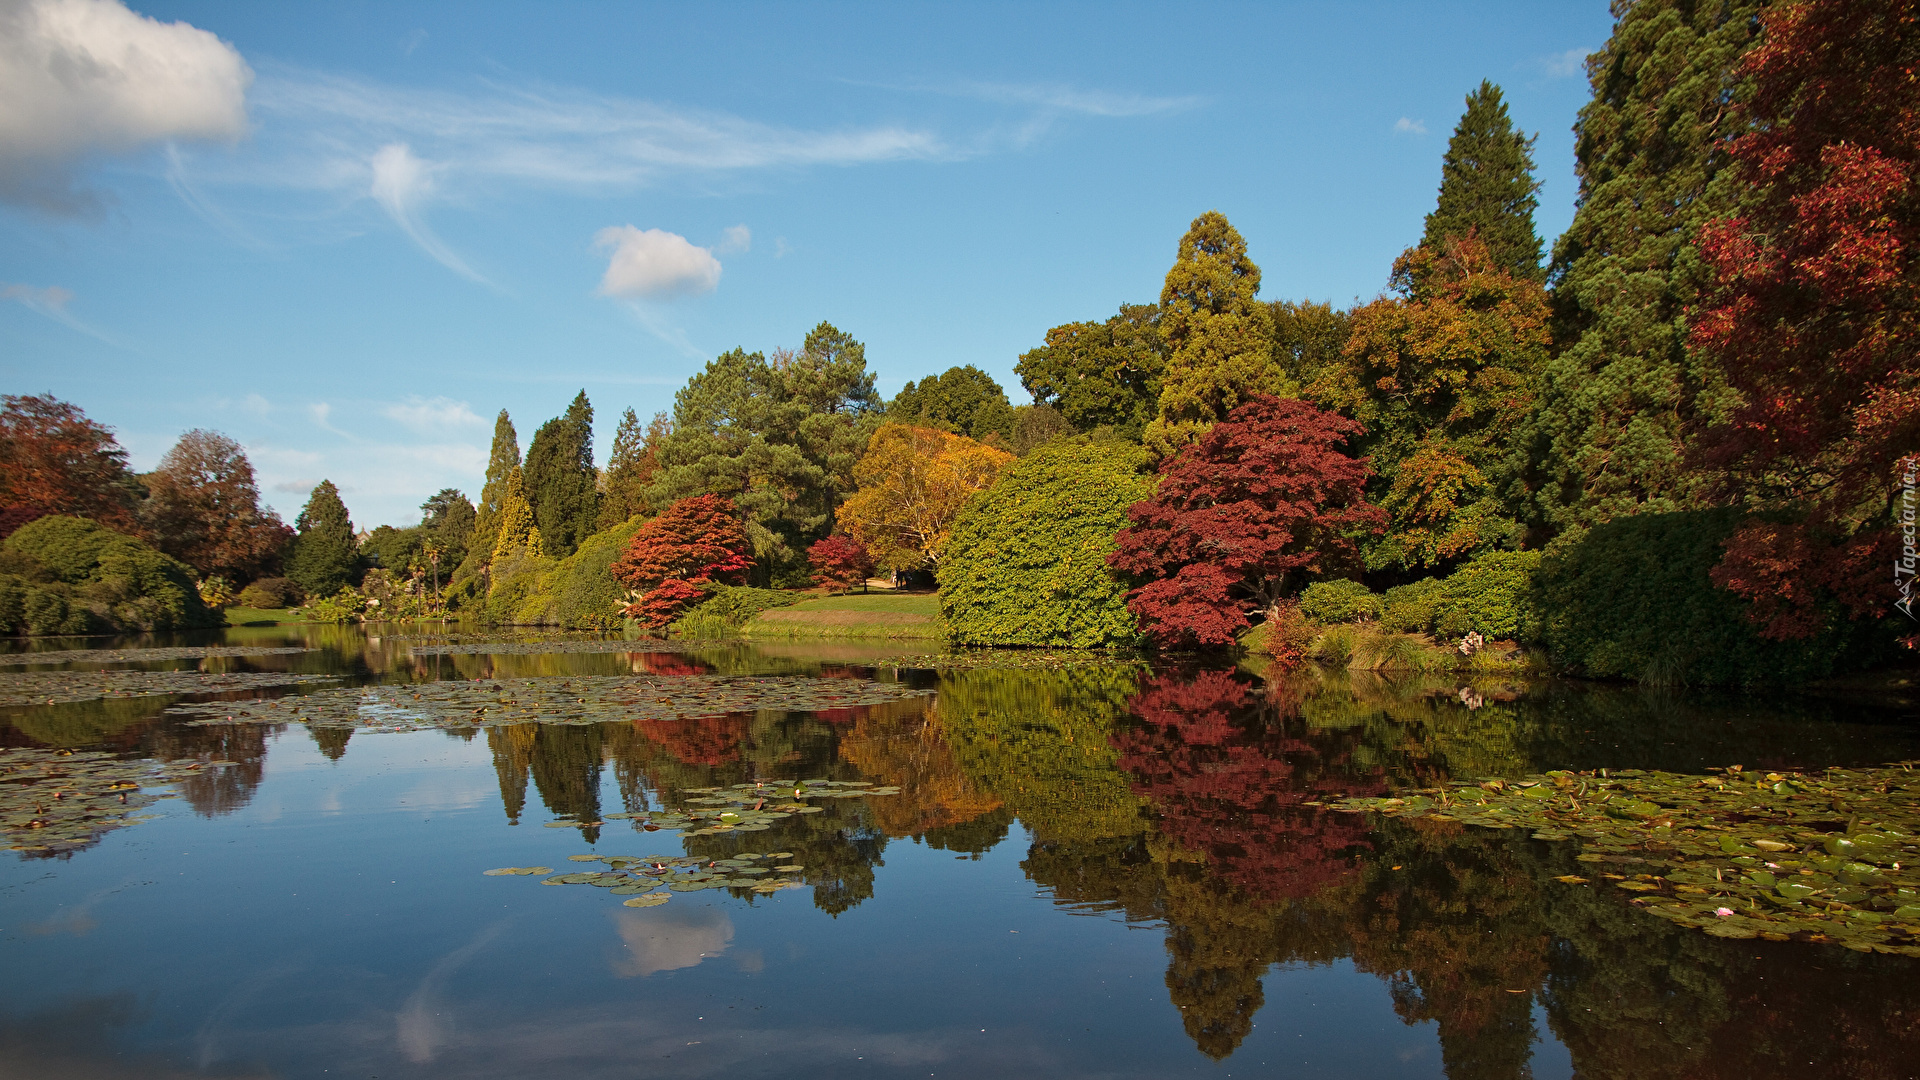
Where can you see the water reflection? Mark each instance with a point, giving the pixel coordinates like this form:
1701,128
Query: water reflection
1180,799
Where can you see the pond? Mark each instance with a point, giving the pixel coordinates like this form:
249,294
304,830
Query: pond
266,853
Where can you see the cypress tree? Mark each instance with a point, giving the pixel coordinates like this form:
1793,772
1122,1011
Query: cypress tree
561,479
1609,428
324,555
518,533
630,468
1487,187
504,458
1219,338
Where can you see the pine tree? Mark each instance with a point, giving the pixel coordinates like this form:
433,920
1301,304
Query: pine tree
1487,188
630,468
1219,338
560,478
324,555
517,533
1608,430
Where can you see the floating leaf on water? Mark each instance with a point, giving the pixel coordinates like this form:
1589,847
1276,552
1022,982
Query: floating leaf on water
502,872
790,869
649,900
583,858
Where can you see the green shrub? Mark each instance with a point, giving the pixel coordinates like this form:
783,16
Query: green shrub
271,593
67,575
732,607
1338,601
338,608
1632,598
579,593
1027,563
1490,595
1411,609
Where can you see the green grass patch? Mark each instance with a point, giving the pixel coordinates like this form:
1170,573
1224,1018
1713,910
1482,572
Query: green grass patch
911,617
247,616
911,603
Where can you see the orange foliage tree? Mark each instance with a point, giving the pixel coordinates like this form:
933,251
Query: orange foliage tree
53,460
913,482
673,559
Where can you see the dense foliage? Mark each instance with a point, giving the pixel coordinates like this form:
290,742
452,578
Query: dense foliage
695,542
1487,188
913,483
1029,563
1339,600
630,468
53,460
1219,339
203,508
1101,374
324,558
560,478
840,562
1260,501
68,575
962,399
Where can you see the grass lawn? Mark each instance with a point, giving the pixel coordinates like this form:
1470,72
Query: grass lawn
907,617
249,616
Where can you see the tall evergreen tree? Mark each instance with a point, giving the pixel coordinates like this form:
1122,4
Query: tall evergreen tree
630,468
1219,338
518,533
1487,188
503,459
561,479
324,555
1607,432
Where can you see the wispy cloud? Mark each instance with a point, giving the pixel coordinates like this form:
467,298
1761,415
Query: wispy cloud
1060,98
654,263
1406,126
734,238
52,302
435,414
1565,65
401,183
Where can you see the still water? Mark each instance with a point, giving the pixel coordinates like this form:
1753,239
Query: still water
1102,869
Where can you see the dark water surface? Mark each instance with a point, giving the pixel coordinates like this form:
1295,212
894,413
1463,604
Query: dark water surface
1103,870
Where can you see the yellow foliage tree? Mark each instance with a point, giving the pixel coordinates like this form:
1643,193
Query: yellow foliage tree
913,482
518,534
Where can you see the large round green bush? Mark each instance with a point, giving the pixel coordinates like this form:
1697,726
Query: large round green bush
1027,563
1339,600
1632,599
1491,595
68,575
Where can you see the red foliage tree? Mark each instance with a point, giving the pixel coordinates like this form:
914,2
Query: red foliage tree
53,460
203,508
695,542
1818,302
1259,500
1230,780
840,562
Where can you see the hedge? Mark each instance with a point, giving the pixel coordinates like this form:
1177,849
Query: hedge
67,575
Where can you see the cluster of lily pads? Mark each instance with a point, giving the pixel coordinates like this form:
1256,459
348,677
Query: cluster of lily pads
518,648
140,656
579,699
58,800
1832,857
61,687
754,807
651,880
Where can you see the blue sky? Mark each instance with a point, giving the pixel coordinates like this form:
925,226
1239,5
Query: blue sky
348,234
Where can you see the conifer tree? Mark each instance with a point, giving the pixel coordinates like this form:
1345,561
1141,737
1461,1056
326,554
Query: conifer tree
630,468
1487,188
517,531
1219,338
560,478
324,555
1607,434
504,458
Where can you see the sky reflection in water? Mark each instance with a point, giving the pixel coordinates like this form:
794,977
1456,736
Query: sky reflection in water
1106,871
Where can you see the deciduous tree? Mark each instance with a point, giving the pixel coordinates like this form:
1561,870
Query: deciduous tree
1242,517
962,399
203,508
1101,374
913,482
693,542
1815,317
840,562
53,460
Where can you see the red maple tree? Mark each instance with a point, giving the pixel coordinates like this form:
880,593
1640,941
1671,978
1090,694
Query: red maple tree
1261,500
53,460
840,562
1816,310
693,543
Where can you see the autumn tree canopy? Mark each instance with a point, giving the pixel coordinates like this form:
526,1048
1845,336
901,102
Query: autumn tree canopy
1242,517
203,508
913,483
694,542
840,562
53,460
1815,317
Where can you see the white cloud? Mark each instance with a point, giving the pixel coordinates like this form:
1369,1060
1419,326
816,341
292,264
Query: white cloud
734,238
1404,126
401,182
80,77
432,414
1566,64
1059,98
52,302
654,263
